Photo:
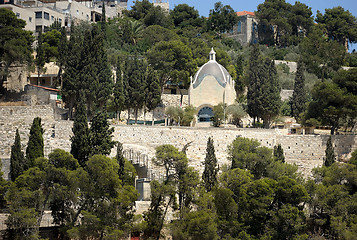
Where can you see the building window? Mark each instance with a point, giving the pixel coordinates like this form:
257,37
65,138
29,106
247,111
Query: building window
239,27
60,20
38,14
52,18
30,19
38,28
17,14
46,15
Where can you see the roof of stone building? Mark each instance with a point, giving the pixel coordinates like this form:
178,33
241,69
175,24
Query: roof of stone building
243,13
212,68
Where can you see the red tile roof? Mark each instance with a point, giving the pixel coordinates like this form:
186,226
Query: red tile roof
243,13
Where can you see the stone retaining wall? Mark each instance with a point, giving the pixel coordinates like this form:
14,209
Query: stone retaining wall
307,151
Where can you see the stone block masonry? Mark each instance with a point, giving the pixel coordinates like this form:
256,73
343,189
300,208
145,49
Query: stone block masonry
307,151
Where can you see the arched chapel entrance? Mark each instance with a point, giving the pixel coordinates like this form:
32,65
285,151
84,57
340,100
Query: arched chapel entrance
205,114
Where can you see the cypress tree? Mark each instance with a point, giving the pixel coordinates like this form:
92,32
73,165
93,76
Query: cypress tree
121,161
17,159
35,144
268,100
96,73
74,64
329,153
119,90
40,57
279,153
103,22
80,146
253,86
104,73
211,169
153,97
137,89
62,52
101,135
298,103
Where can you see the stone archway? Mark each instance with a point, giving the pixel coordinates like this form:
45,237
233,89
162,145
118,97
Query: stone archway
205,113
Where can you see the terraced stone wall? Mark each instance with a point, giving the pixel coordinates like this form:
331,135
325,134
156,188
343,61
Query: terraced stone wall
307,151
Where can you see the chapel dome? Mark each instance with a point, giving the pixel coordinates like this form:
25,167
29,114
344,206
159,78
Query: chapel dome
212,68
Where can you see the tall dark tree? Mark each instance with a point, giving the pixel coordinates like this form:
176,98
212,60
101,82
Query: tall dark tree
80,146
121,161
101,135
35,146
103,22
74,64
135,78
263,95
269,100
62,53
17,159
119,92
153,97
211,169
97,75
330,156
298,101
15,43
87,69
252,79
40,59
279,153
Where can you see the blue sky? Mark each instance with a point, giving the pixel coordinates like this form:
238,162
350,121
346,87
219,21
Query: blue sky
203,6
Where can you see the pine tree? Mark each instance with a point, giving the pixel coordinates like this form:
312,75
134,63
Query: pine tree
211,169
329,153
101,135
298,103
279,153
119,90
121,161
40,57
35,146
80,146
17,159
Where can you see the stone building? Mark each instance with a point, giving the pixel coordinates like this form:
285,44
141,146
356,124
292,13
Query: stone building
164,4
211,85
246,30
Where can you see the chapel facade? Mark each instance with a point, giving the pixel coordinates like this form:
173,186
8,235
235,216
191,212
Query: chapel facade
211,85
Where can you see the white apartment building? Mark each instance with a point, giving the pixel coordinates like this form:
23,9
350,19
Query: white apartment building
40,14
